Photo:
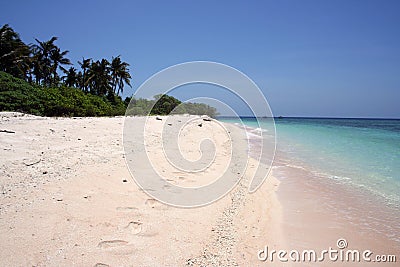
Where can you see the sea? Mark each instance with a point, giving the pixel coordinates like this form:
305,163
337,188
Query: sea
362,155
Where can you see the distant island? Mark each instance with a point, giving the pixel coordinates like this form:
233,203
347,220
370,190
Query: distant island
31,82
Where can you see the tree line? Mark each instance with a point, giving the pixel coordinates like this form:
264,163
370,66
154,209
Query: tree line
39,79
165,104
42,62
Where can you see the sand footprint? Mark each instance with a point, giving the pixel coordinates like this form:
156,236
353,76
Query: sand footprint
183,179
126,208
167,186
112,243
135,227
151,202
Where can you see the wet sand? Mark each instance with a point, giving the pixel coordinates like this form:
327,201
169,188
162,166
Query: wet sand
318,211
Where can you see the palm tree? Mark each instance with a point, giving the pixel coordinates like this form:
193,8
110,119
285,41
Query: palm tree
71,78
42,66
48,58
85,64
14,54
120,74
58,58
79,81
99,78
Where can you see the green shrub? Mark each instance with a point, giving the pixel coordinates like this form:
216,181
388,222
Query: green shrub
18,95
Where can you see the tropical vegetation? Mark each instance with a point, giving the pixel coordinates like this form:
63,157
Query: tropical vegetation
40,79
165,104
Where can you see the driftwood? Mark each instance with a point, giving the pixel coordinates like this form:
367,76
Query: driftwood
6,131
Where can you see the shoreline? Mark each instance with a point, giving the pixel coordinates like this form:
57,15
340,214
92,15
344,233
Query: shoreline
68,198
318,214
318,211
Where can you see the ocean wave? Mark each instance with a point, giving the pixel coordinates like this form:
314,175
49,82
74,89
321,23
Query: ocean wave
253,136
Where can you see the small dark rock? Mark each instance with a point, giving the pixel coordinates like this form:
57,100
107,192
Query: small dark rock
200,125
158,118
45,172
125,181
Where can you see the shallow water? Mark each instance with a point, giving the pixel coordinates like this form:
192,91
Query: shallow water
362,156
362,152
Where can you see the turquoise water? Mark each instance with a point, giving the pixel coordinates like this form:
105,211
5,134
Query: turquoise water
364,153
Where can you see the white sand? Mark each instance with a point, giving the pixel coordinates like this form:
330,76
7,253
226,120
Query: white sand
63,201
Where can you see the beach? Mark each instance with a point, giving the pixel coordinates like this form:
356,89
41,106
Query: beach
212,133
67,199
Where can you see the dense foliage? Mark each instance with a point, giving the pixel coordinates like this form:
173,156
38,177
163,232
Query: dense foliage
164,104
44,63
31,82
18,95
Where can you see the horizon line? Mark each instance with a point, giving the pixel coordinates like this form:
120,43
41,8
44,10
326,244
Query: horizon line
310,117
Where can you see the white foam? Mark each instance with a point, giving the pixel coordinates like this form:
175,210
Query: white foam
253,136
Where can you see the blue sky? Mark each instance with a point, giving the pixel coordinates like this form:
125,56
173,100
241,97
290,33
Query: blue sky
310,58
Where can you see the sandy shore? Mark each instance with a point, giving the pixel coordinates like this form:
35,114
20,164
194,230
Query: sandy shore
67,199
317,212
